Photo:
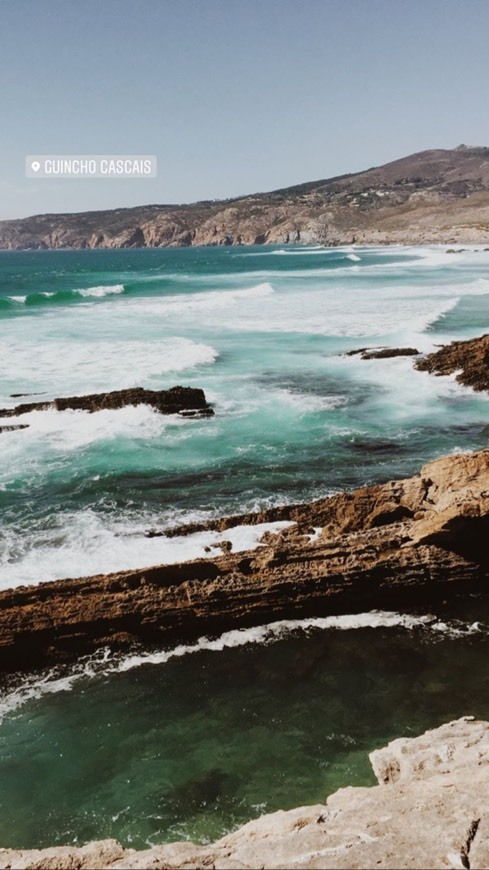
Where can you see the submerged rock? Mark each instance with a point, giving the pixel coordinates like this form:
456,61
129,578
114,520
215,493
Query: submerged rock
187,401
200,792
429,810
468,359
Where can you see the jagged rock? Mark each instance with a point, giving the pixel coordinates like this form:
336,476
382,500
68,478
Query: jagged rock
470,359
188,401
430,810
383,352
405,542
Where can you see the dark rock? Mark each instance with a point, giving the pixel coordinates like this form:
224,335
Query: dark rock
21,395
357,351
177,400
199,792
13,428
197,412
383,352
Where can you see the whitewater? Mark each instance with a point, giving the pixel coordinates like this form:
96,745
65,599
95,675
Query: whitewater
190,741
265,337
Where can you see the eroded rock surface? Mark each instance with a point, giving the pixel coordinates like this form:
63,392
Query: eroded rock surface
176,400
468,359
430,810
405,542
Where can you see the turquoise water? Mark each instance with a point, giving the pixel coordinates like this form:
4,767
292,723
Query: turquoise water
262,331
150,749
193,742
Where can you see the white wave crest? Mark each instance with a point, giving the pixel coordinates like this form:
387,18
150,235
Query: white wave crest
67,366
105,663
92,544
101,291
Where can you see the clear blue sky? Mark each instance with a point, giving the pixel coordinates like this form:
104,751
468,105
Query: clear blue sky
233,96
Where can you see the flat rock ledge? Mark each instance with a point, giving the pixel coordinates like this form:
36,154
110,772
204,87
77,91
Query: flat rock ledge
408,542
429,810
183,400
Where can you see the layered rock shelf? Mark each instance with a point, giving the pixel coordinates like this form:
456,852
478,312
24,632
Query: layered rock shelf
177,400
387,546
429,810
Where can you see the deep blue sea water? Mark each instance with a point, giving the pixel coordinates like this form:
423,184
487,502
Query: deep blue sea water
190,745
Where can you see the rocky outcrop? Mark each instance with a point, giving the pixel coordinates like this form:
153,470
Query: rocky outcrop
184,400
13,428
382,352
469,360
429,197
404,542
429,810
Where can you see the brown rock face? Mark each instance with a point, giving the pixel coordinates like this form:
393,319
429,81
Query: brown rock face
470,359
173,401
408,541
430,810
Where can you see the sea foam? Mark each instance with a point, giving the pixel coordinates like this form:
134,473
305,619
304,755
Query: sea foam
105,663
64,366
91,544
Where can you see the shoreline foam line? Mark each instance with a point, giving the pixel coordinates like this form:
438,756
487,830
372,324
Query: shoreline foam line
104,663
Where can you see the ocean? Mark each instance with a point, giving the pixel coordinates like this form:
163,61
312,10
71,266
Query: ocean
194,741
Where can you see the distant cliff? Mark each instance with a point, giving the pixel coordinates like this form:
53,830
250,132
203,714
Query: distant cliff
434,196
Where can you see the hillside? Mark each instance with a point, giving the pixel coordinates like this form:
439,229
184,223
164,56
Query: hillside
433,196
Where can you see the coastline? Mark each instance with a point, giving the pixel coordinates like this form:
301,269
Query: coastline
410,542
427,811
434,196
404,543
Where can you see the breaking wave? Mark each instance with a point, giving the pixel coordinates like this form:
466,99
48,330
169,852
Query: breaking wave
61,297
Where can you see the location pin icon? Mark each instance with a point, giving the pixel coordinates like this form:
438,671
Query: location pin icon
35,165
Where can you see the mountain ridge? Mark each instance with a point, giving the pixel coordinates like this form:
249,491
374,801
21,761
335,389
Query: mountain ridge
433,196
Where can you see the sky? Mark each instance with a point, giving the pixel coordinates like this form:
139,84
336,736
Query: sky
232,96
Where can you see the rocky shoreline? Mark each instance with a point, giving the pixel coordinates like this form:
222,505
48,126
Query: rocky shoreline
417,541
429,810
413,541
186,401
467,360
403,543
